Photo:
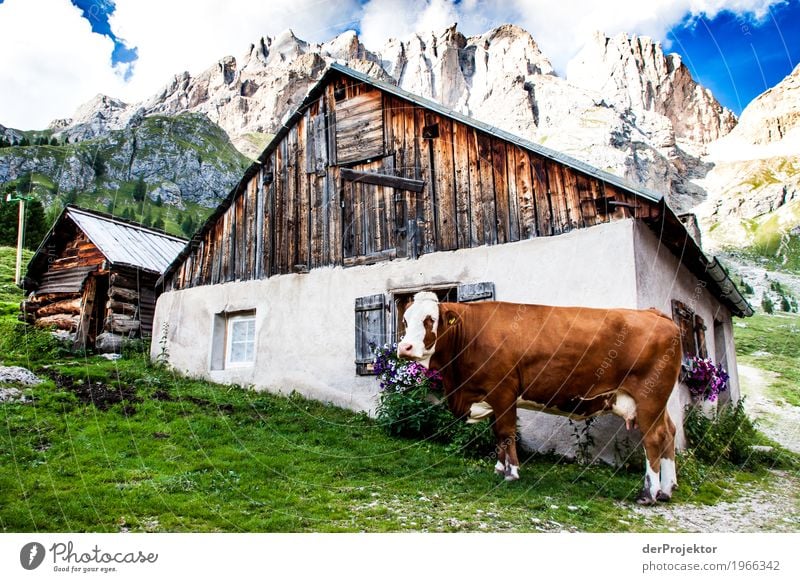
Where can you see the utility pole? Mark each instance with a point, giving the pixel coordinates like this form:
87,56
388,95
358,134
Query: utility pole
21,198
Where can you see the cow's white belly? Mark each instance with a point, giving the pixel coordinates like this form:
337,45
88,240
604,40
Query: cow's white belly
624,406
478,411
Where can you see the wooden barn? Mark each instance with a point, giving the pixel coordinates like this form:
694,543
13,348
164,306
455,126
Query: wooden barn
95,274
369,194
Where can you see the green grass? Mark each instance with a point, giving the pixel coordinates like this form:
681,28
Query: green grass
10,294
183,455
768,239
770,342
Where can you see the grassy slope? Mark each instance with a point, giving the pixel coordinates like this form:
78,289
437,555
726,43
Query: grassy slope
771,343
175,454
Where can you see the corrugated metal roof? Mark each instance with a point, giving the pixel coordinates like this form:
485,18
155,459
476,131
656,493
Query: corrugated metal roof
65,280
125,243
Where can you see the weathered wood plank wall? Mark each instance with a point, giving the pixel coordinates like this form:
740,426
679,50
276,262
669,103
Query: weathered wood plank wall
366,176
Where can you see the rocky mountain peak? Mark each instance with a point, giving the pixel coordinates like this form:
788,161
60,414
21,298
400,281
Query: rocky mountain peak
774,115
633,72
96,117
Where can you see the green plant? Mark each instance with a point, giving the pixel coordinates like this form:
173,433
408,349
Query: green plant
767,305
409,406
584,440
728,436
163,353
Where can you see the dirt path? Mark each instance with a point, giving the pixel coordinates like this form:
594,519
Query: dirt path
775,508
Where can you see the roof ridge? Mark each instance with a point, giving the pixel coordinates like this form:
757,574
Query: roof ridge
124,222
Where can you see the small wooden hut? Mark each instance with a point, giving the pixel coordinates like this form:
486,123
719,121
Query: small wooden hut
96,274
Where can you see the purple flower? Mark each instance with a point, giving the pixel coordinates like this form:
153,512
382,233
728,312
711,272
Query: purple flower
396,375
704,379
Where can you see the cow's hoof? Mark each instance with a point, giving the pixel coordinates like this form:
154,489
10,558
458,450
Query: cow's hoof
645,498
500,468
661,496
512,473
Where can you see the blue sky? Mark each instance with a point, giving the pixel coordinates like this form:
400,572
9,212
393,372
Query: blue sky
738,58
130,48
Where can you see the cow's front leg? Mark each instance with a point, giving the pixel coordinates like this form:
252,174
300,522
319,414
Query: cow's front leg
505,432
500,465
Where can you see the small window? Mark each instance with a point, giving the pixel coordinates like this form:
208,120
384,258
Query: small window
240,349
693,330
233,342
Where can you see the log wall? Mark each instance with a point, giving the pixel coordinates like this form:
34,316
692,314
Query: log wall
78,293
365,176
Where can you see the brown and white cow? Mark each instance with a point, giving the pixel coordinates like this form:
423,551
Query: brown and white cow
495,357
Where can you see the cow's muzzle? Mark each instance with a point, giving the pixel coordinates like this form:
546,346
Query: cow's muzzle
406,350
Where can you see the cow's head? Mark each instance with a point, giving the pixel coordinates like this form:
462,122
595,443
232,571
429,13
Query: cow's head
421,322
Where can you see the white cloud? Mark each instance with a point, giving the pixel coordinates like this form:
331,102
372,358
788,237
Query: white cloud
191,35
559,27
50,64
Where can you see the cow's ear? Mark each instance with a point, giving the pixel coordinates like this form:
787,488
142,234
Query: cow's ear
451,318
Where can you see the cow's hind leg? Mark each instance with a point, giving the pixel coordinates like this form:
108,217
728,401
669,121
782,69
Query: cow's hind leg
669,478
659,443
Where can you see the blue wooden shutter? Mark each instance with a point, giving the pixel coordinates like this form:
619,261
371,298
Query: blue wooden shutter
469,292
370,330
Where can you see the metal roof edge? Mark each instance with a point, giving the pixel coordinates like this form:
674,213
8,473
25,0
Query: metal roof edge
694,258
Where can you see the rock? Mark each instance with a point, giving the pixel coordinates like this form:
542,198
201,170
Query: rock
108,343
774,115
18,375
756,170
11,395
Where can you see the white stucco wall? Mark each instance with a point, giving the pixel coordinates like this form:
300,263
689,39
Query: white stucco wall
305,322
660,278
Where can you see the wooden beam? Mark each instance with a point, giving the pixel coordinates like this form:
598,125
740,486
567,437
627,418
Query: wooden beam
383,180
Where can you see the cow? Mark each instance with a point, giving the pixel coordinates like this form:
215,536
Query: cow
495,357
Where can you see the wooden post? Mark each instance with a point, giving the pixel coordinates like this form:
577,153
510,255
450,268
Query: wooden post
20,232
87,309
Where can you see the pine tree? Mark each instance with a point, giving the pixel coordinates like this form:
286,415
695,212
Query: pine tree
187,225
139,190
159,222
35,224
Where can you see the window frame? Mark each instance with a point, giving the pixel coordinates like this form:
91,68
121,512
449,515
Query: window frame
230,321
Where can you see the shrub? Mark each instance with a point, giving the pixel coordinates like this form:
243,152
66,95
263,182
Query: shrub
21,343
409,406
767,305
728,436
